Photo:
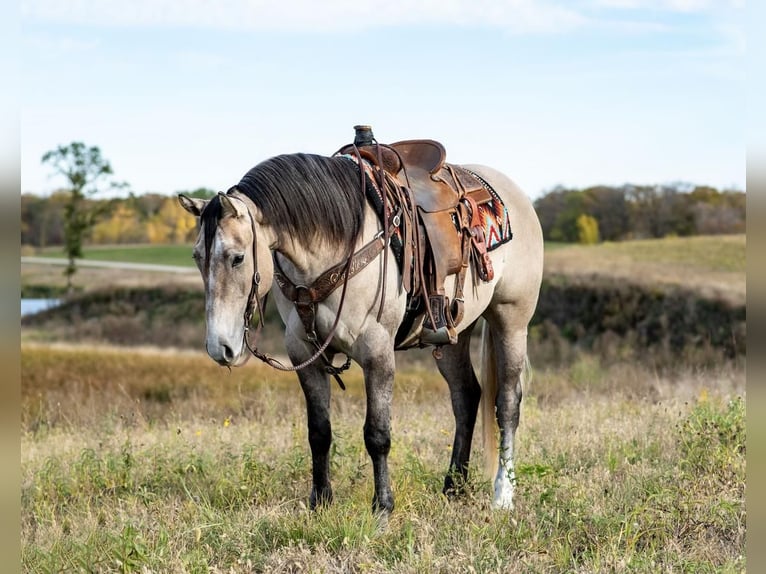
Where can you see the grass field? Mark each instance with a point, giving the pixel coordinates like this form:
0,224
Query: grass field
159,461
164,462
714,265
714,254
157,254
710,253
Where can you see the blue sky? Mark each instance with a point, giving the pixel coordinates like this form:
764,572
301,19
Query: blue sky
180,95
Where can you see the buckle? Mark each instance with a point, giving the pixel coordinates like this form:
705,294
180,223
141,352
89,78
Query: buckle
303,296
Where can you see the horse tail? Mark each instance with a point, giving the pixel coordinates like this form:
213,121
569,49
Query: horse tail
488,380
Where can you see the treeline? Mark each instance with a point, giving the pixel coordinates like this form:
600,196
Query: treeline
600,213
148,218
604,213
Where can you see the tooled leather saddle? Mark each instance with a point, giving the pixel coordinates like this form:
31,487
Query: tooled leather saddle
435,207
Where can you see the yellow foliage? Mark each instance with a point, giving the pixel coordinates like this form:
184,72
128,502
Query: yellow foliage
122,226
157,231
587,229
170,224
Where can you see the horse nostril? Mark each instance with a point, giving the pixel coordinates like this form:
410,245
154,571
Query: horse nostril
228,354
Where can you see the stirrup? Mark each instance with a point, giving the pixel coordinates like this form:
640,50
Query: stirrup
443,332
444,335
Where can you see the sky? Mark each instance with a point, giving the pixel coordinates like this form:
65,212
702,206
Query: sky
186,94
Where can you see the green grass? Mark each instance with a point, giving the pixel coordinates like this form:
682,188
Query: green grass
160,462
157,254
714,253
708,253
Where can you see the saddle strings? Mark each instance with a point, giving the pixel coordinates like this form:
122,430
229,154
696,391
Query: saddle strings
415,234
386,222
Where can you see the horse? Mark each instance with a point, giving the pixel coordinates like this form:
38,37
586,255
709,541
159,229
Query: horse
293,217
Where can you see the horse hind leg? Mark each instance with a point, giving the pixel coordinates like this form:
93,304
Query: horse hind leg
505,361
465,394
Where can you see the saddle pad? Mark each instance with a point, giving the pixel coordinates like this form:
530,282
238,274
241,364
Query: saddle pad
494,217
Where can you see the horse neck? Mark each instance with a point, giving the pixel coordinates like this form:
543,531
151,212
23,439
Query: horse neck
305,261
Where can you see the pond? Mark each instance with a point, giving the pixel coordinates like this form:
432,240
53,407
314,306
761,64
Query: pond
32,306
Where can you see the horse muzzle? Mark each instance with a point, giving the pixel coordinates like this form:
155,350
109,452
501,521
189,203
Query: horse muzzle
226,354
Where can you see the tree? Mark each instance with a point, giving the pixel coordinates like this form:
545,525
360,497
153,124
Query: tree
86,172
548,208
610,209
200,192
645,219
122,226
565,227
170,224
587,229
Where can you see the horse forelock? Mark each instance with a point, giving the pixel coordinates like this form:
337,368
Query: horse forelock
209,219
308,197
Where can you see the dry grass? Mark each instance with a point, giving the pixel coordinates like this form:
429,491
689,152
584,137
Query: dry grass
163,462
92,279
714,265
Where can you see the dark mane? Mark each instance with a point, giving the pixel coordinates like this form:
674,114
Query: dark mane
303,196
308,197
209,219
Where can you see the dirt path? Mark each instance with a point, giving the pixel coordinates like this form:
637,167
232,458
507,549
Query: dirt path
90,277
109,264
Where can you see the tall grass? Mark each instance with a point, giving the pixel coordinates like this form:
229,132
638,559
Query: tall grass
138,461
164,462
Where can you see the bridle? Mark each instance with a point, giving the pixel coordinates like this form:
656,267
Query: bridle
253,302
305,298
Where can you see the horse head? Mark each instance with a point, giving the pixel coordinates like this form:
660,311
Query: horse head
233,255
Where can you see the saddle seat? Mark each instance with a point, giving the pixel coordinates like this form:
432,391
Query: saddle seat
423,164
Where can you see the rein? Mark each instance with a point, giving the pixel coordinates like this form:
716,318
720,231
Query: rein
305,298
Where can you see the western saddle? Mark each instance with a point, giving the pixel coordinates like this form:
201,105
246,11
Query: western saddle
434,207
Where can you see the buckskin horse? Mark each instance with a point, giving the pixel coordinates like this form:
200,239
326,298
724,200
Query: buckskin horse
374,249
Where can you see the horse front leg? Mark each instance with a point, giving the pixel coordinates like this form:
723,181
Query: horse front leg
379,368
316,390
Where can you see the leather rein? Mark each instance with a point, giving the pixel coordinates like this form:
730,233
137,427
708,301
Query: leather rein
305,298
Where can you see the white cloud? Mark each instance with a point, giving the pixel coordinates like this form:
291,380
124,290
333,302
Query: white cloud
515,16
60,45
686,6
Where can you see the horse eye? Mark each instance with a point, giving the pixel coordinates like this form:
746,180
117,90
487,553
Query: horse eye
237,260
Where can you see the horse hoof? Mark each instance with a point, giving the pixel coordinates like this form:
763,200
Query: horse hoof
383,506
502,501
320,498
453,488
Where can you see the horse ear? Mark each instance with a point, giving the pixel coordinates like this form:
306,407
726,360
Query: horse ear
231,208
193,205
